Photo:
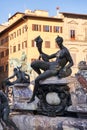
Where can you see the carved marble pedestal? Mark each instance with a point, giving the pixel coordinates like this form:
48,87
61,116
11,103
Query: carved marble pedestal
80,95
54,96
21,95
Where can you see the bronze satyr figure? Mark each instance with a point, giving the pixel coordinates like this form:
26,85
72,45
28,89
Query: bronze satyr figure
5,110
63,59
21,77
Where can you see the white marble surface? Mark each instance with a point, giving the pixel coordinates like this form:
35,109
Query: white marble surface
56,80
26,106
52,98
40,122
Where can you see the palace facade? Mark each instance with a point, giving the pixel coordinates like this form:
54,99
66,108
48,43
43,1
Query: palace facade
18,36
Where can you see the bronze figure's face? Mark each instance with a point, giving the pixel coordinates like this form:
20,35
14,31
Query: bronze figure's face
59,41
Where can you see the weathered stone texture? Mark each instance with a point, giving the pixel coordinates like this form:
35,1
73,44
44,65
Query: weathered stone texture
40,122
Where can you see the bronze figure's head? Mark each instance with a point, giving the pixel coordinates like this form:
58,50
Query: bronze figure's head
59,41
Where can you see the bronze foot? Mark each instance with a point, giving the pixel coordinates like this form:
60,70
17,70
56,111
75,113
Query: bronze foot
31,100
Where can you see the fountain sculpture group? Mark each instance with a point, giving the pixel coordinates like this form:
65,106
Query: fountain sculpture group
51,94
